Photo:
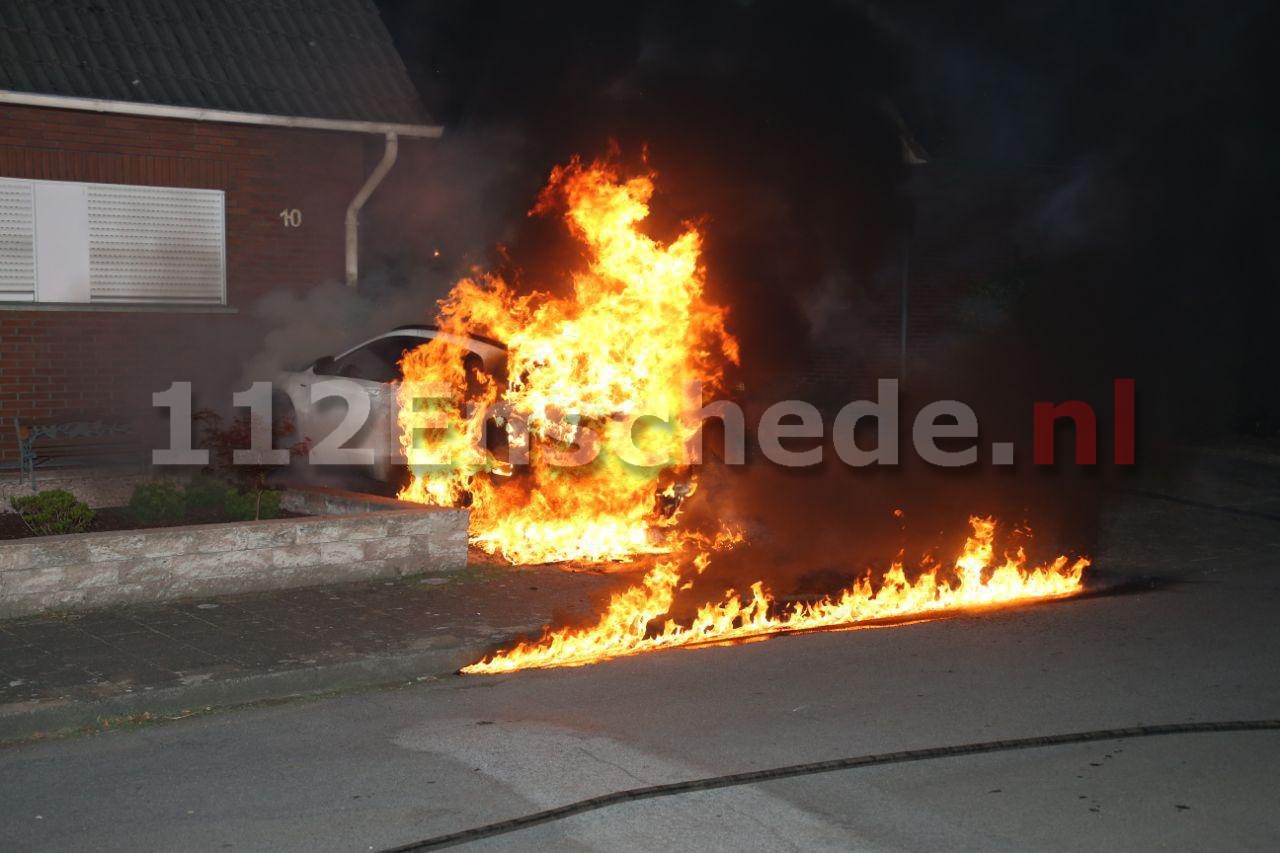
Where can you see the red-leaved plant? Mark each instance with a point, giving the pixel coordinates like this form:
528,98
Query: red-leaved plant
223,439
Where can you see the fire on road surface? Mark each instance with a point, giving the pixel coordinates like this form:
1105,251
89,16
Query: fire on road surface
634,330
625,627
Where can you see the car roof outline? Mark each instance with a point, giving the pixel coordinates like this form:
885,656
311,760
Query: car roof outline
434,328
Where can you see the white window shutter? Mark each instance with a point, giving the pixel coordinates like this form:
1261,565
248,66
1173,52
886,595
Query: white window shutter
156,244
17,242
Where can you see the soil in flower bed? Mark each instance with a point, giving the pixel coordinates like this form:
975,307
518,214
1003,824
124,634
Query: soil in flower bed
117,518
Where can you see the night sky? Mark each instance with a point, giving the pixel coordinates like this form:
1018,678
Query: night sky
1146,250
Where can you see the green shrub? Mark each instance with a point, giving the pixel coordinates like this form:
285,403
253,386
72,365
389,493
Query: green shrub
270,504
156,503
247,506
206,497
52,512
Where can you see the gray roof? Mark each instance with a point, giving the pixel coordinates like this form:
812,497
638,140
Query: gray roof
313,58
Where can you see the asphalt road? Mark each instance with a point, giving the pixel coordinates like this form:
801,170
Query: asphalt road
370,771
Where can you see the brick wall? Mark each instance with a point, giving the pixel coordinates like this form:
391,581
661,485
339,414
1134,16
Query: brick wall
55,362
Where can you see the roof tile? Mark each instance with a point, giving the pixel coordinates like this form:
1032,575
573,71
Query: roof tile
329,59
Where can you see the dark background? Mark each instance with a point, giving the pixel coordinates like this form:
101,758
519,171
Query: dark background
1142,248
1097,201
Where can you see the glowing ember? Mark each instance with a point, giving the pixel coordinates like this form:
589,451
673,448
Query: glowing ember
634,331
624,629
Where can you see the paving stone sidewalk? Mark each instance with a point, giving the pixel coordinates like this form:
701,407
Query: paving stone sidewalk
68,670
63,670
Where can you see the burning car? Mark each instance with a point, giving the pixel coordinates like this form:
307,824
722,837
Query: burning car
373,366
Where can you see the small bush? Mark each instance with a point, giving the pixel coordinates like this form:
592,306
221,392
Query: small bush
157,503
206,497
53,512
250,498
247,506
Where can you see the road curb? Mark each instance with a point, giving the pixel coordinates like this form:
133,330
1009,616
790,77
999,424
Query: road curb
24,721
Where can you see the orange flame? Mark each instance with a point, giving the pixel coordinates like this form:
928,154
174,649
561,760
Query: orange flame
580,372
624,628
635,329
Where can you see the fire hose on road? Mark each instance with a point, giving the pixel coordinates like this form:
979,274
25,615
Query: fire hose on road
793,770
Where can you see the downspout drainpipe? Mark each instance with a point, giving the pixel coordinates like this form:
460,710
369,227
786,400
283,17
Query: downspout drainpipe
353,210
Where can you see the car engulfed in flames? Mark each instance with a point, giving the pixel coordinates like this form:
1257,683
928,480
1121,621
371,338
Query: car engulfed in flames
591,465
580,371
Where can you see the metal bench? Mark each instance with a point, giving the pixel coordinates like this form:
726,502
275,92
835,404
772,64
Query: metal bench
71,438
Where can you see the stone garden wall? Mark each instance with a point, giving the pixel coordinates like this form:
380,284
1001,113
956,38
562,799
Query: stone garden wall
356,537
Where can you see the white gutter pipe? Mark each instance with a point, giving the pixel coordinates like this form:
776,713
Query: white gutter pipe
98,105
353,210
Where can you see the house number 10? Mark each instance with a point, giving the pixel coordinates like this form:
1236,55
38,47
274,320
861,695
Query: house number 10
291,217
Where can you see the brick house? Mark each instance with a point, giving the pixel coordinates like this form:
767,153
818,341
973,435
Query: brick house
164,164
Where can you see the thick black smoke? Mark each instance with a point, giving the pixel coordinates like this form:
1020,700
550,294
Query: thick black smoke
1095,204
775,127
